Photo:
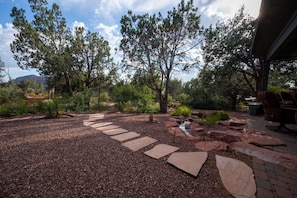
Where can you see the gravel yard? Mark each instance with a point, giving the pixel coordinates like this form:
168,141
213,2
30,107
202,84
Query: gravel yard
63,158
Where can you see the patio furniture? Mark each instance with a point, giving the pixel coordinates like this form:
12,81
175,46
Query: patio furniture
276,111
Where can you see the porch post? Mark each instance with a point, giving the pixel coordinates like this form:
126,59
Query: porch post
265,73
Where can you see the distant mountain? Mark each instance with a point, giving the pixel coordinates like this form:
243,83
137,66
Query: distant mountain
37,79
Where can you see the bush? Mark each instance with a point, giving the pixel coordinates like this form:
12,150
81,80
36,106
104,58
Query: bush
10,93
182,111
50,107
277,89
104,97
13,109
214,117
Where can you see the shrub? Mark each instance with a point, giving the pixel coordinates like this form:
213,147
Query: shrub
104,97
50,107
214,117
10,93
182,111
13,109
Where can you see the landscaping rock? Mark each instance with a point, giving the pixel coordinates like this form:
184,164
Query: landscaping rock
176,132
211,146
237,177
225,136
190,162
194,139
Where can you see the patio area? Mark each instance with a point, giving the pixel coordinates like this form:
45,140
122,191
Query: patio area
275,180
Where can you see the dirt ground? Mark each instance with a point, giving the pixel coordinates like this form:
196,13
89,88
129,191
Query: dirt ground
63,158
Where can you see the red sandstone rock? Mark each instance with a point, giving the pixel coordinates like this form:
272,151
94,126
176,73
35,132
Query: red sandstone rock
237,177
237,122
262,140
224,123
225,136
211,146
176,131
198,129
171,124
194,139
248,131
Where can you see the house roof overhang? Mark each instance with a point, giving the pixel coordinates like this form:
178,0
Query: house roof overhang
276,31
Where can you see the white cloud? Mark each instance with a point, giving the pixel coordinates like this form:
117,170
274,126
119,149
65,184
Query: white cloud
6,37
225,9
112,35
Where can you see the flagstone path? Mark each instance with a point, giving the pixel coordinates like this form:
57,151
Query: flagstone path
189,162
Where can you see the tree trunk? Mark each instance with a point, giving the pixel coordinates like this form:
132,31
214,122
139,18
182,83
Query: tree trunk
163,104
68,83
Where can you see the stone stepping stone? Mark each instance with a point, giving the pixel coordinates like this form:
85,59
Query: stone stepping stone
237,177
115,131
161,150
108,127
88,123
101,124
189,162
95,117
139,143
125,136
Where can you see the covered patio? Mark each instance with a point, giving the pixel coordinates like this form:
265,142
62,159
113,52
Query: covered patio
276,34
275,39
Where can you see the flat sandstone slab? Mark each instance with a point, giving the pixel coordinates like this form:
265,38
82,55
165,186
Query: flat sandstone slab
88,123
139,143
108,127
161,150
237,177
101,124
189,162
125,136
115,131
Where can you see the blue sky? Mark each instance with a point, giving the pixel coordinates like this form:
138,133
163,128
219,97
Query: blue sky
104,16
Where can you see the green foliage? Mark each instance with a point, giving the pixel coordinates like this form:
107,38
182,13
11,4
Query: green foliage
81,101
31,87
133,98
242,107
104,97
10,93
184,99
227,51
13,109
49,107
277,89
70,60
182,111
214,117
166,40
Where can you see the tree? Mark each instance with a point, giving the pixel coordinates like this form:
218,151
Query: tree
283,73
228,45
43,44
155,46
91,55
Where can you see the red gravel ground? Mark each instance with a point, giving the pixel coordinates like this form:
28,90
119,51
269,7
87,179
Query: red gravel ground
63,158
